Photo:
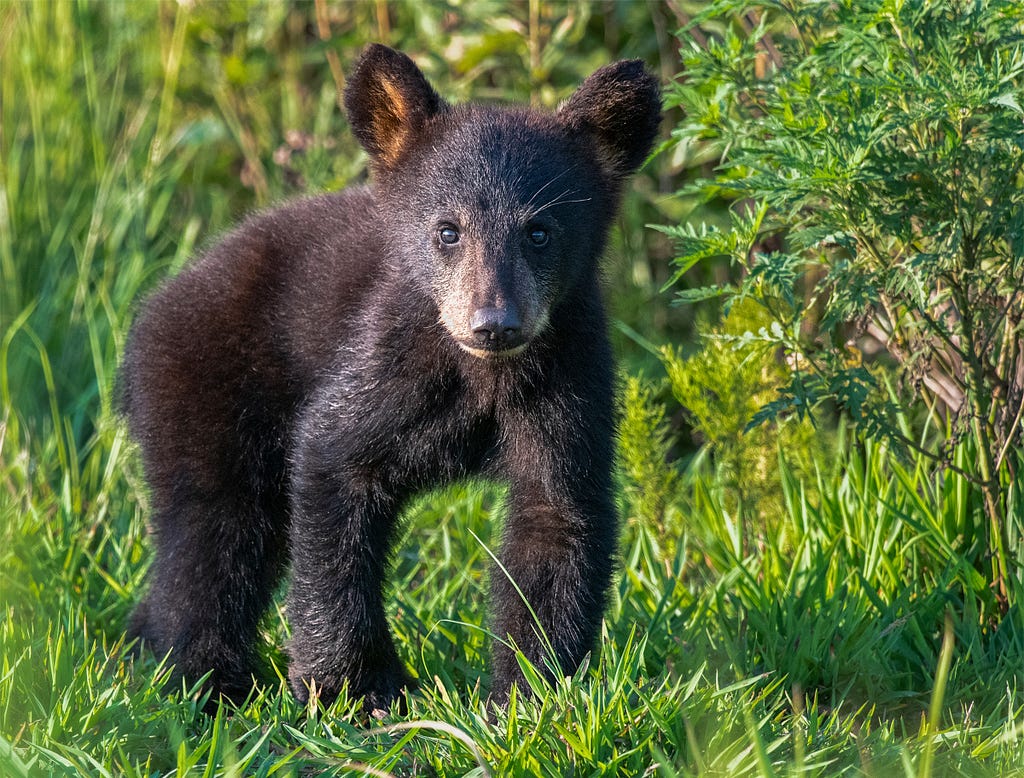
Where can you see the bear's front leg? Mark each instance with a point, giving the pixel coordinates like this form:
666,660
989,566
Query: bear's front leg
558,547
343,522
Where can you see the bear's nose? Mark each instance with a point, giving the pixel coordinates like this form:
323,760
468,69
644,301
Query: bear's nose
496,327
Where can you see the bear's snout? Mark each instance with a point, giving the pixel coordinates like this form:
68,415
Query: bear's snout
497,328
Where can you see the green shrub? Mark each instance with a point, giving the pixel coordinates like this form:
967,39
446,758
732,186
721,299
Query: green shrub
651,477
721,388
874,151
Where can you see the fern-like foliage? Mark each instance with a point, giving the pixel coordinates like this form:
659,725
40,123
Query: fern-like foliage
875,154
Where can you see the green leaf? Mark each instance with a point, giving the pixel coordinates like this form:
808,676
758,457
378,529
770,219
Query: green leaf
1008,100
686,296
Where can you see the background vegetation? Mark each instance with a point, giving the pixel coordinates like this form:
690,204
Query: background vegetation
795,597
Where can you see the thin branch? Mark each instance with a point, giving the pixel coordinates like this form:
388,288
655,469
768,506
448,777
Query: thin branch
323,30
946,387
1010,436
685,19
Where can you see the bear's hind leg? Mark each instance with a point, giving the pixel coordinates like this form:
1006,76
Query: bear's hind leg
218,559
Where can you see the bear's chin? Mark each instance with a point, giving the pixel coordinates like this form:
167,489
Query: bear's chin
486,353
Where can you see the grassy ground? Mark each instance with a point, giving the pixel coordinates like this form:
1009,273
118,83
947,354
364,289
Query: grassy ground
851,634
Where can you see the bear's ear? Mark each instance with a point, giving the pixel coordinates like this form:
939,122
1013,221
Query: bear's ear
388,101
620,107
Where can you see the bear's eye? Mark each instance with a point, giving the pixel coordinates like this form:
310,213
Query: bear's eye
539,237
448,235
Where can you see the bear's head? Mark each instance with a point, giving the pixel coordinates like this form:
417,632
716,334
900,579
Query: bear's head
499,214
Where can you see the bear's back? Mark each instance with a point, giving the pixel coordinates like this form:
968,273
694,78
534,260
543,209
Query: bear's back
224,352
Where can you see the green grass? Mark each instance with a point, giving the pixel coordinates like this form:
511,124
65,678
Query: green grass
818,655
851,634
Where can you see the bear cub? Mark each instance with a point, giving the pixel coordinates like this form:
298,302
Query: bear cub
297,384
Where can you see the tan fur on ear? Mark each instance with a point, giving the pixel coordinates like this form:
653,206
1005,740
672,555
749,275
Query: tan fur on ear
390,125
388,101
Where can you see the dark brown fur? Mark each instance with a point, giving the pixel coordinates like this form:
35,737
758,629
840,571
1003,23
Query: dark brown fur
297,384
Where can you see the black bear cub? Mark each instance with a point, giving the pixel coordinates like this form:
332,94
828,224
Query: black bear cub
297,384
